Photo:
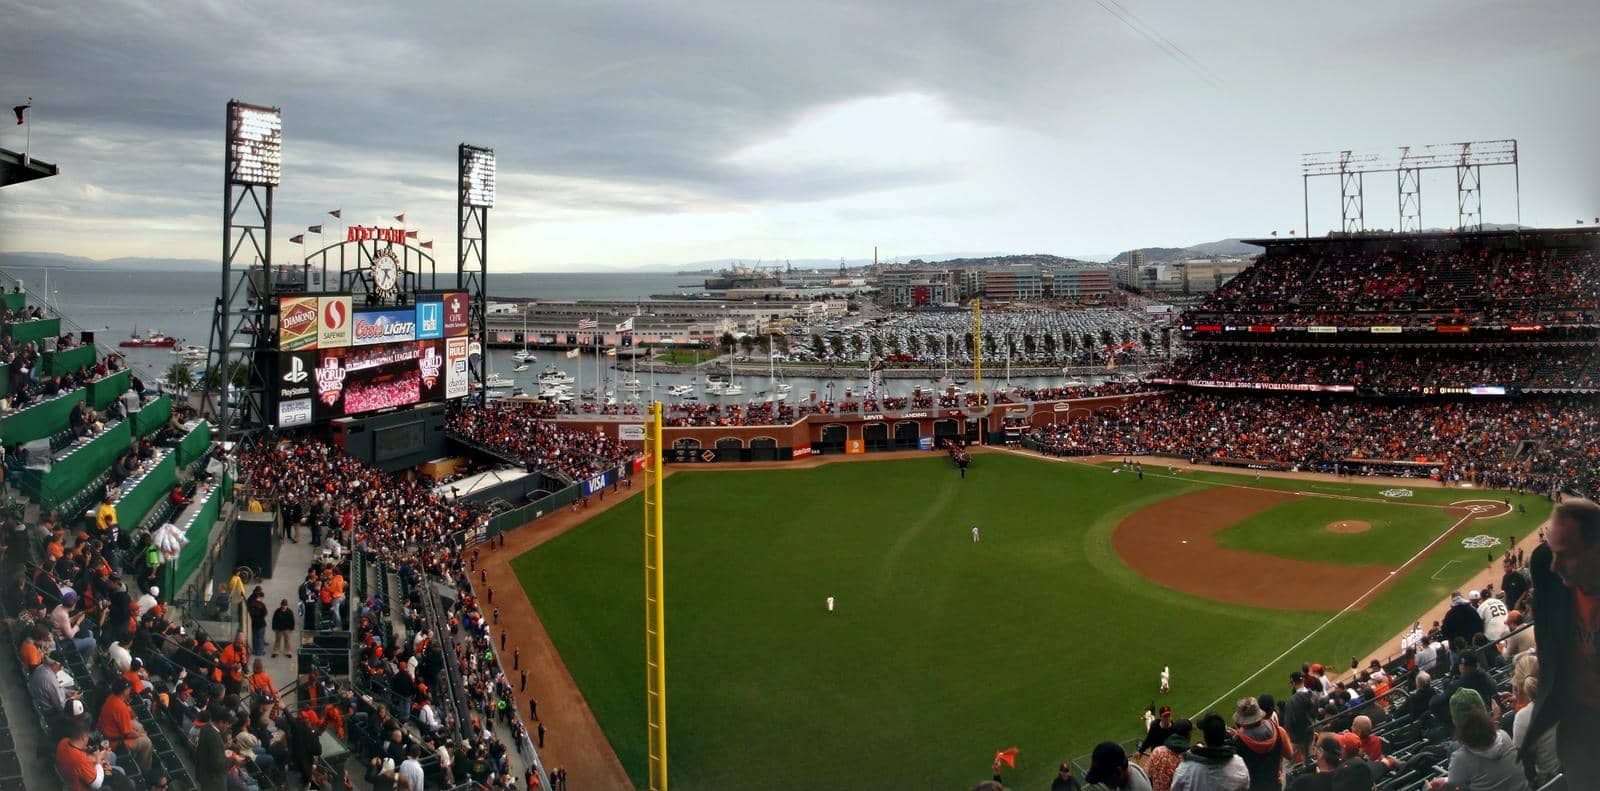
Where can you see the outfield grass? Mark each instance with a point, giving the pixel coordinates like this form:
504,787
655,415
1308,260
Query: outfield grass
941,651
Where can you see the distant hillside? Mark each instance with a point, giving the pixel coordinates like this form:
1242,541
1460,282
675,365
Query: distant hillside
57,260
1158,255
1032,260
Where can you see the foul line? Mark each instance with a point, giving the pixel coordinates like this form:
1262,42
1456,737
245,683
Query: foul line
1447,563
1325,624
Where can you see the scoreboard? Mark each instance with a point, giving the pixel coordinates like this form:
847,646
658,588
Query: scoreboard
334,360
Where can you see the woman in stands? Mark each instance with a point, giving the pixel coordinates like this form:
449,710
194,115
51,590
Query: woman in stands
1486,761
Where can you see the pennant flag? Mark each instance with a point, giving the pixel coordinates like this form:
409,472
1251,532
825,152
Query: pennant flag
572,354
1009,756
22,108
299,238
314,229
411,234
588,324
335,213
1274,233
428,245
400,217
626,326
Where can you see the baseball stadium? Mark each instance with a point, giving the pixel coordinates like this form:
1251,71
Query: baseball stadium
1325,524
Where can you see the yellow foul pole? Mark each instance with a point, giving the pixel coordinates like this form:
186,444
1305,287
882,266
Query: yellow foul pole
655,633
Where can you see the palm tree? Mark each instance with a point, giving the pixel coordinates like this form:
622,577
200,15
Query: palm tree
988,342
932,344
894,343
1144,338
748,343
727,343
1088,341
817,346
837,342
1050,346
967,345
876,341
1105,336
914,344
180,377
1027,343
856,345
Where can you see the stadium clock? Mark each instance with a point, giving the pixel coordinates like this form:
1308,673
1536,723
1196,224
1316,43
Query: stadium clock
385,272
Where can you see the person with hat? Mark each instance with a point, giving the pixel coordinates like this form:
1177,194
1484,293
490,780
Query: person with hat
1300,715
117,723
1486,759
1158,732
1164,760
1262,745
1461,620
1109,769
1214,766
1064,781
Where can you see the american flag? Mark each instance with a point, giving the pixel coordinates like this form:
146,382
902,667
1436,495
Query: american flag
588,324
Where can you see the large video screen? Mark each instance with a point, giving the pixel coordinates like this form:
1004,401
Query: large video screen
334,383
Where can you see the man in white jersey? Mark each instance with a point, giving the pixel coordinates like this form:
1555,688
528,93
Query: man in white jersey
974,534
1166,679
1494,613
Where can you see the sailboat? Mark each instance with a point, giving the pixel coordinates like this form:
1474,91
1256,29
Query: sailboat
632,383
524,356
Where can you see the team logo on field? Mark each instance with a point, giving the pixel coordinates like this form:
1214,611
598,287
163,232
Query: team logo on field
1396,492
1479,542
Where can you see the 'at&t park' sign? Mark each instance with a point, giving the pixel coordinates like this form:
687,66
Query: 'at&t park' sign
367,233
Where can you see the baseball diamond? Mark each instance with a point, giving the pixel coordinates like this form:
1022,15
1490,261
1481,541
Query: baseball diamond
946,642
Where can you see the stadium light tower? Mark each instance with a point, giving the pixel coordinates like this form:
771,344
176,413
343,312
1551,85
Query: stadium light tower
474,199
241,323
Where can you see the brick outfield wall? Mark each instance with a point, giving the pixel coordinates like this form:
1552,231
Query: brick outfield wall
809,429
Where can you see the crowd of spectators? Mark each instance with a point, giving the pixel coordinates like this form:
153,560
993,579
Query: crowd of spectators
519,429
1413,287
396,521
1532,444
1392,369
28,383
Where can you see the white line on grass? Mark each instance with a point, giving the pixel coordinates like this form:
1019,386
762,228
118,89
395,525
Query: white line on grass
1446,565
1325,624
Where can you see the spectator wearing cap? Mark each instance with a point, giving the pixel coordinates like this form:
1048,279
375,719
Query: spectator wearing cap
150,600
1327,753
1486,759
1109,769
1261,744
282,625
1213,766
1064,781
1300,715
1566,597
117,723
1158,732
1163,762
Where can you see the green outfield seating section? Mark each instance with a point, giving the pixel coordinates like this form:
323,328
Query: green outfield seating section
78,468
14,300
58,363
41,419
141,494
152,417
198,530
106,389
194,444
36,330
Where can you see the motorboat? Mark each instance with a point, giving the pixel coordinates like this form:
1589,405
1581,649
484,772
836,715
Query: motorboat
681,391
554,375
588,395
519,368
496,381
731,390
632,386
525,356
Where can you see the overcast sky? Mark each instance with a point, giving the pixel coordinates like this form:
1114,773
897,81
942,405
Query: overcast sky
653,133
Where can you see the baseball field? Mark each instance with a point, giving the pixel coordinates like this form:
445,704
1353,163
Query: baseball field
1048,634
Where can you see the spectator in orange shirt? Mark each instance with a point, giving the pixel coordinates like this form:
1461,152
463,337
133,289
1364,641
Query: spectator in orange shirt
34,647
261,682
116,722
336,593
81,769
232,660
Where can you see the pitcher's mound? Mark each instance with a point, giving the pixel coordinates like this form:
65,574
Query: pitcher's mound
1349,526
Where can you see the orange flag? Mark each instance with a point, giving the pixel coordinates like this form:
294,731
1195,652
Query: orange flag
1009,756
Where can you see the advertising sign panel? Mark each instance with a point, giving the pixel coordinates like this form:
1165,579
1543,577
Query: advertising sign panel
297,323
455,368
333,322
372,327
430,320
456,314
